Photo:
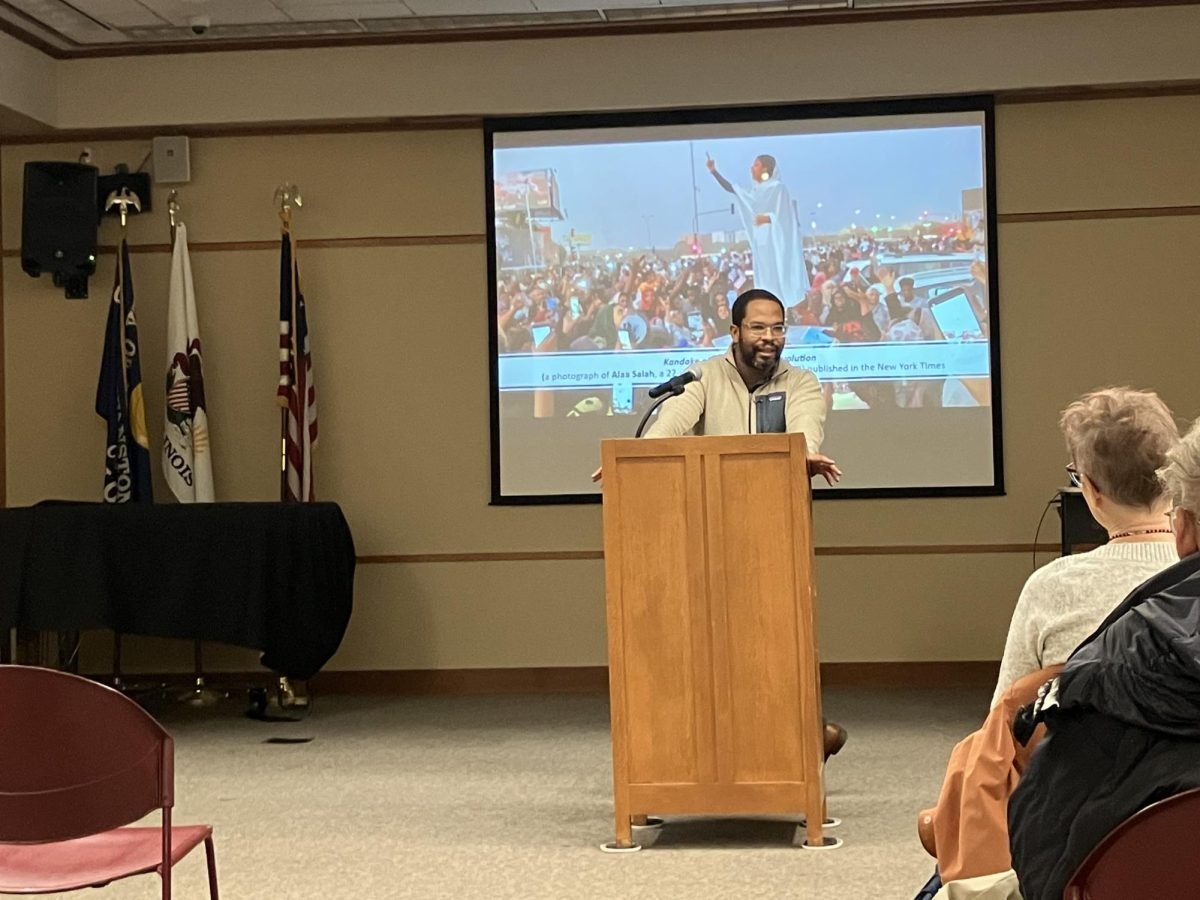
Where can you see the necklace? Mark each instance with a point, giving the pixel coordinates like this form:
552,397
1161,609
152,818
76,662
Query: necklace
1134,532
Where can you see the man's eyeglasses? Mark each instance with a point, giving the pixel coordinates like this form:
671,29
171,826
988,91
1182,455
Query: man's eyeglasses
1073,474
758,329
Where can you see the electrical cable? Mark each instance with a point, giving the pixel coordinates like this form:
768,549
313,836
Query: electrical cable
1037,534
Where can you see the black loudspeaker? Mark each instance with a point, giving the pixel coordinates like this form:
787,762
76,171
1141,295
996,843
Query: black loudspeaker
1078,526
59,223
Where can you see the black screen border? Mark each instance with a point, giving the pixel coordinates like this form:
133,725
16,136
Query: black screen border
980,103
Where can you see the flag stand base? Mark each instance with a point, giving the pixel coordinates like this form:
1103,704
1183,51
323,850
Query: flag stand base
289,697
200,696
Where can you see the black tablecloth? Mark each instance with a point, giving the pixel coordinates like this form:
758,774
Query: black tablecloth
275,577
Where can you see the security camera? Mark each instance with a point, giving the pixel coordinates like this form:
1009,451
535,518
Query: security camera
199,24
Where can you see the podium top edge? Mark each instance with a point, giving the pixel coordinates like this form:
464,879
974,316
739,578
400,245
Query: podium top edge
734,443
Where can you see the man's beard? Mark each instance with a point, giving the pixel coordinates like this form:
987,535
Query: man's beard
765,363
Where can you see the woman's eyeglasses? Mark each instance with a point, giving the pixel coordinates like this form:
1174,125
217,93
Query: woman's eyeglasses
1073,474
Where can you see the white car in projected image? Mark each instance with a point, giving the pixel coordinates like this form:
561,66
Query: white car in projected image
925,262
914,264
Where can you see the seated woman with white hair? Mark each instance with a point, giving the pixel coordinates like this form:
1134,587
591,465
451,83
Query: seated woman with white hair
1123,717
1117,439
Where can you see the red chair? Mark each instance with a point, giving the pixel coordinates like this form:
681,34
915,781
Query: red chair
78,762
1150,854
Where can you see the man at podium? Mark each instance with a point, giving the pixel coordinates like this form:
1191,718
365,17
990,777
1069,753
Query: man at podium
752,389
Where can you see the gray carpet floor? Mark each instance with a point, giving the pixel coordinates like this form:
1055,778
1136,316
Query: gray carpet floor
510,797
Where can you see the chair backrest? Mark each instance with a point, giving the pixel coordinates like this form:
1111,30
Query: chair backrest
76,757
1150,854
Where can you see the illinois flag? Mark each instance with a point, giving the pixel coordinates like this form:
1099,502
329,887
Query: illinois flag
119,397
297,385
187,453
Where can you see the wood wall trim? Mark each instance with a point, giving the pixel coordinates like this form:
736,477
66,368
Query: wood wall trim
932,674
1128,91
934,549
555,680
255,129
594,679
756,19
1016,96
1092,215
574,555
417,240
434,240
515,556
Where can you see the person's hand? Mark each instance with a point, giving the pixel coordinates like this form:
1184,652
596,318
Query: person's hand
888,278
708,161
598,475
762,219
819,464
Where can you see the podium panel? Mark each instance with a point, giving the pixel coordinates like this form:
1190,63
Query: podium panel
713,671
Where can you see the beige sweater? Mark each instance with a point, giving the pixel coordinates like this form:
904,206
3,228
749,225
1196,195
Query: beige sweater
1064,601
719,403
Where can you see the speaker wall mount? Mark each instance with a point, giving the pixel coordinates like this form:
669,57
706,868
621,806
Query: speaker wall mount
61,210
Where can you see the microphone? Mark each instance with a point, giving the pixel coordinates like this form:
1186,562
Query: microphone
674,385
664,392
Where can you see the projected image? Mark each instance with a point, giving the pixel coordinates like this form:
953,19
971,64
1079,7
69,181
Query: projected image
619,253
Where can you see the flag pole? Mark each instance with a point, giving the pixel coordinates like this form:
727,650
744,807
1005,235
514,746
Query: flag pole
123,202
286,216
287,195
199,695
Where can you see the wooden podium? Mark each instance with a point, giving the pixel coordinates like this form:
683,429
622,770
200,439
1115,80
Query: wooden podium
713,669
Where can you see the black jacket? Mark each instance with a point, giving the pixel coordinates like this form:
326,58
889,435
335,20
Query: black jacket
1123,722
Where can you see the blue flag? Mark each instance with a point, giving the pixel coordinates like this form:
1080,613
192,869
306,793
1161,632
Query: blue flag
119,397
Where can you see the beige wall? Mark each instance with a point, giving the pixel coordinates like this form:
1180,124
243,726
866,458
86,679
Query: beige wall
28,80
1083,303
863,59
852,60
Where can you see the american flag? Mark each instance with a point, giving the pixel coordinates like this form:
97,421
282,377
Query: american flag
297,387
177,397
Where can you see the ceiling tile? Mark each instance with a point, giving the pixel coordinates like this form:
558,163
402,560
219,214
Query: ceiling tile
118,13
859,3
469,7
288,5
222,12
566,5
65,19
286,28
316,11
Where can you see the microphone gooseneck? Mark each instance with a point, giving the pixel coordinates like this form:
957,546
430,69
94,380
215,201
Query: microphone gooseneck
662,398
